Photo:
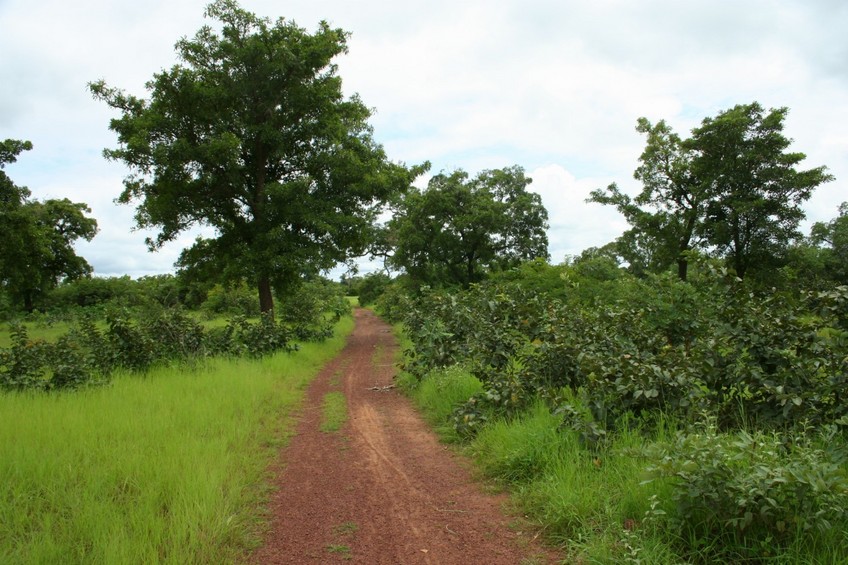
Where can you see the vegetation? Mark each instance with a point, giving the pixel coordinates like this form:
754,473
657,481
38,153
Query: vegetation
834,235
251,135
91,349
731,188
38,237
457,229
333,411
671,421
135,472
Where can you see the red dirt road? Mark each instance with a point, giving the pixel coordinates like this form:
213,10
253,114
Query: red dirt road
382,489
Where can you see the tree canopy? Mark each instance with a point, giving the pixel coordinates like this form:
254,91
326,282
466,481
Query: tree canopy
250,134
833,236
38,237
732,189
458,228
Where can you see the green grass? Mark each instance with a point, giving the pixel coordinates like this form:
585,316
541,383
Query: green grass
36,331
438,395
348,528
340,549
169,467
333,412
587,502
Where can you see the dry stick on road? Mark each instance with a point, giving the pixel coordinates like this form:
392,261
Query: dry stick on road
382,490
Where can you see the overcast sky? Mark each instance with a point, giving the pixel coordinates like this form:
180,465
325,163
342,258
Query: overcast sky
555,86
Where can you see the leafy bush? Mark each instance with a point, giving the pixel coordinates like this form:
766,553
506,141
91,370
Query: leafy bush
744,491
88,355
261,338
236,300
39,365
370,287
306,307
22,366
654,345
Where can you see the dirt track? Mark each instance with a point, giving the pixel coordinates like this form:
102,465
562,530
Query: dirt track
381,490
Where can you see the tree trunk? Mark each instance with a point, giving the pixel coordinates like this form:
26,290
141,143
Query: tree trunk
266,298
682,268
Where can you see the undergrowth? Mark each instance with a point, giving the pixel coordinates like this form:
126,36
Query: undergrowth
648,493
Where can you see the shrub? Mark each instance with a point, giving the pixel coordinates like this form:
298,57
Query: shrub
747,490
237,300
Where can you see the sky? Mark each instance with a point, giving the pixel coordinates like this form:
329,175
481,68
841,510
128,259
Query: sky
554,86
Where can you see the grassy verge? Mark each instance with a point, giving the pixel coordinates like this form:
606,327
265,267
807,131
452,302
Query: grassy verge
169,467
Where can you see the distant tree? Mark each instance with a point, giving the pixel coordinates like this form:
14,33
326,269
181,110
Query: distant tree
37,250
755,191
456,229
94,291
731,188
666,214
833,235
250,134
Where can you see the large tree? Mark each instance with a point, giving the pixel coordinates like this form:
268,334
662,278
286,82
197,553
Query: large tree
250,134
37,250
456,229
732,189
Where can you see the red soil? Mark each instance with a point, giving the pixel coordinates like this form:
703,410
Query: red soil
382,489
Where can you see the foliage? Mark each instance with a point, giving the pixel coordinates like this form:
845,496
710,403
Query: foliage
731,189
94,291
90,355
304,307
756,191
235,300
751,491
41,365
38,237
834,234
666,215
250,134
368,288
457,229
654,345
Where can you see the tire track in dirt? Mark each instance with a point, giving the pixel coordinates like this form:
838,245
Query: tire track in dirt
382,490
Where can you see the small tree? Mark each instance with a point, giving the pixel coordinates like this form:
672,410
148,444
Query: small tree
665,215
252,136
457,229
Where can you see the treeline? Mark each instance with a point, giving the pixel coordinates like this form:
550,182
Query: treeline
123,324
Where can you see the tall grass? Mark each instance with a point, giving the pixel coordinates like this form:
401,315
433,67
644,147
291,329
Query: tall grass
170,467
439,394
